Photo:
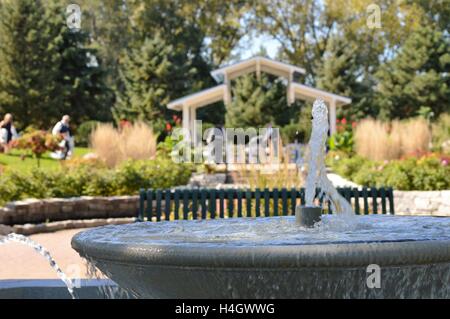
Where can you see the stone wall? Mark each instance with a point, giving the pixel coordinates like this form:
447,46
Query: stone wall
419,203
207,180
57,209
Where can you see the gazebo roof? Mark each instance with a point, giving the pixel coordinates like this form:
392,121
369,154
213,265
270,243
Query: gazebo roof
256,64
201,98
304,92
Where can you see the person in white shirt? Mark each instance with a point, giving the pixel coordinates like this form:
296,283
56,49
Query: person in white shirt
62,128
7,132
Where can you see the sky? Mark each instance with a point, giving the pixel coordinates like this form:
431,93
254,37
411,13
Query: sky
250,46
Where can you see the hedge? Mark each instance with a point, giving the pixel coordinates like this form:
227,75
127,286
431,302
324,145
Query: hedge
86,180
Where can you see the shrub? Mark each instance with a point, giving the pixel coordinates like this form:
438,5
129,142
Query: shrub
105,143
441,134
82,180
425,173
138,142
342,141
295,132
113,146
372,140
38,142
84,132
350,166
415,136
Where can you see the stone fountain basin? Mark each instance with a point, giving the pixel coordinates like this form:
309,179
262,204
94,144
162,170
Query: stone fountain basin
171,265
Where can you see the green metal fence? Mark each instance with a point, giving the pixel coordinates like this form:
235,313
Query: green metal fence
166,204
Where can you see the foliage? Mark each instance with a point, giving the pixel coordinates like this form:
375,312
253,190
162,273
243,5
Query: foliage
424,173
164,61
441,133
38,143
299,130
45,66
255,101
340,72
134,56
145,74
342,140
114,146
260,102
417,77
165,147
341,53
379,140
293,132
86,180
84,131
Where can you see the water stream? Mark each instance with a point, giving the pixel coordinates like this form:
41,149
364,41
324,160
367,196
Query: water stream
317,175
16,238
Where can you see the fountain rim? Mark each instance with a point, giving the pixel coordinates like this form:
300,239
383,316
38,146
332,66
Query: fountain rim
230,255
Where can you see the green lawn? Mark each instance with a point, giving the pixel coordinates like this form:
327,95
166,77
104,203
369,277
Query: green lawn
13,159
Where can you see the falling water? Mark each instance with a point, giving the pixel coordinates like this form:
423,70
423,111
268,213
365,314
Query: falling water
106,287
317,177
16,238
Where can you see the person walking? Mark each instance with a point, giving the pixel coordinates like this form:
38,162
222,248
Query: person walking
62,129
7,132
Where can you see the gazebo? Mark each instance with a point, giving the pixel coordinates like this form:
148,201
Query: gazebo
222,92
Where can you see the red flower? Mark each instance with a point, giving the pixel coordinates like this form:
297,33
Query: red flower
124,123
344,121
168,127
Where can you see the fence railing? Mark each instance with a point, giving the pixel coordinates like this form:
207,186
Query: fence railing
166,204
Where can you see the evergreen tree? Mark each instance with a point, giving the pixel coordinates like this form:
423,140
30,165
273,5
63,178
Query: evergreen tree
29,61
417,77
251,103
147,74
165,61
108,24
257,103
342,72
82,80
45,66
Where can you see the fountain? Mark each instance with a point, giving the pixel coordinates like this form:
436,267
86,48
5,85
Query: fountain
308,215
328,256
20,239
94,288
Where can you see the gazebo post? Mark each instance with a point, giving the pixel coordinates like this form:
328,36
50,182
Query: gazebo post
227,96
192,118
332,117
290,93
186,122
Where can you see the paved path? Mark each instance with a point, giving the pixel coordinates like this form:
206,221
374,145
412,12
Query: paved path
20,262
